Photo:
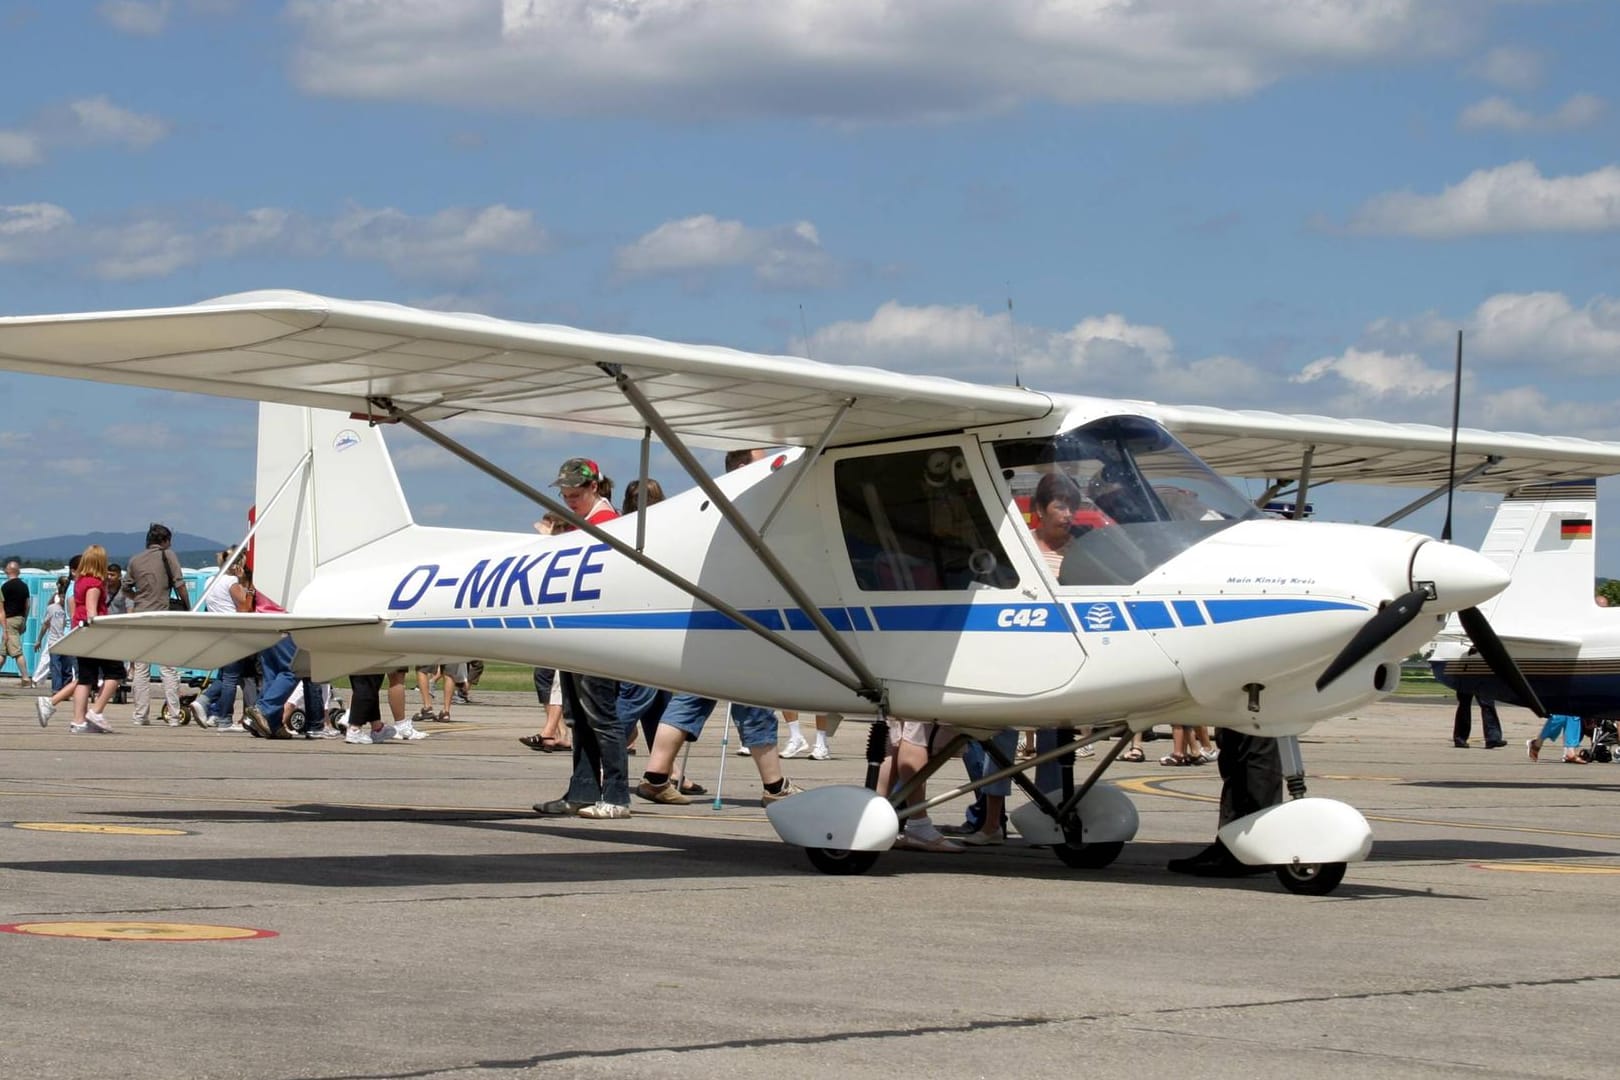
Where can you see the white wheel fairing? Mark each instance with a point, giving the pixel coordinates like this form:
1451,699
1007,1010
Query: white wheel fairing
1302,831
842,817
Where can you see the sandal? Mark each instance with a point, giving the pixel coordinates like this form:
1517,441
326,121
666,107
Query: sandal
544,743
690,787
1176,759
1133,754
444,717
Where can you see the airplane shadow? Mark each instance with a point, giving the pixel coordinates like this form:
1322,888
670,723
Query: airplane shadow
660,856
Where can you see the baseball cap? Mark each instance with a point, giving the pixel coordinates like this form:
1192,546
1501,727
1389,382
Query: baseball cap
577,472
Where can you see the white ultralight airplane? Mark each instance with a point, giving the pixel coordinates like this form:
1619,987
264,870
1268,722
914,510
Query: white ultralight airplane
881,561
1568,648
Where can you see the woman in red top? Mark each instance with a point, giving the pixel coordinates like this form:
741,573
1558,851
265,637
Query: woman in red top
90,601
585,490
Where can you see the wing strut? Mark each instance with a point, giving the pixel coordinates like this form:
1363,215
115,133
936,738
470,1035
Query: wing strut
869,687
863,684
802,470
1424,500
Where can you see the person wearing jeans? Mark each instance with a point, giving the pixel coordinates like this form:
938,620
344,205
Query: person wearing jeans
600,786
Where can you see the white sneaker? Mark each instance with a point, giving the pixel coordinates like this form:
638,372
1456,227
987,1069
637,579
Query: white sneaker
199,713
605,811
141,721
742,751
358,736
226,729
96,722
43,709
820,753
407,732
795,747
80,729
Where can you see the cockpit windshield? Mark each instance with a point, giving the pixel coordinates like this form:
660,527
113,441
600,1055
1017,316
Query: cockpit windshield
1108,502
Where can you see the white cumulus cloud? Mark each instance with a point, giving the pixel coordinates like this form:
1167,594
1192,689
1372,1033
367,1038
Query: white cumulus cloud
144,18
86,122
1106,355
841,60
1498,113
1519,331
449,244
1379,374
784,256
1512,198
1510,67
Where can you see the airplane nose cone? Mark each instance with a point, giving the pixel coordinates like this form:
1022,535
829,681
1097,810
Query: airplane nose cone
1462,578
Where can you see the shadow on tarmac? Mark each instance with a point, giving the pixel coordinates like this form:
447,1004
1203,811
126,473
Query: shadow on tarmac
659,856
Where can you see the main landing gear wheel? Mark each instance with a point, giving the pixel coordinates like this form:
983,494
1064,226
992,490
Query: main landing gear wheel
839,861
1081,856
1311,879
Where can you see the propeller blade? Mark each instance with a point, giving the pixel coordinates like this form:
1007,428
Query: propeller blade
1389,620
1500,661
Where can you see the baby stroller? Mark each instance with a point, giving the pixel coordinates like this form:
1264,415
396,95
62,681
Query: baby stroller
1605,740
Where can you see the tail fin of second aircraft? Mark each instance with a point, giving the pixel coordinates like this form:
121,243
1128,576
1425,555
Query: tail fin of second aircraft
1545,537
344,496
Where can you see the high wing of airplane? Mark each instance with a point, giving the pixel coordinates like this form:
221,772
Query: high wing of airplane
881,560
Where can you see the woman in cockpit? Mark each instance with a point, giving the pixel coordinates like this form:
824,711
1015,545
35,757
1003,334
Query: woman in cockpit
1056,499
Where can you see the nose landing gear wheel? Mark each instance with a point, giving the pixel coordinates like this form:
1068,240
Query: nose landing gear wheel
1088,856
839,861
1311,879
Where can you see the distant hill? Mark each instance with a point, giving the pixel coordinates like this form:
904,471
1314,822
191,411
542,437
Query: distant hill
52,551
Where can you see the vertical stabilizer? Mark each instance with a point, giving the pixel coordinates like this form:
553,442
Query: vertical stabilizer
338,493
1545,537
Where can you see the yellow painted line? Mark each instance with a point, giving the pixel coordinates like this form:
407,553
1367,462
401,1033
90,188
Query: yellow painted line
1145,785
1548,868
91,827
138,931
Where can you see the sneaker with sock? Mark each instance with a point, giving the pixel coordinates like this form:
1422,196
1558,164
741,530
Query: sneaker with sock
196,711
358,736
43,709
743,751
788,788
80,729
665,793
97,722
820,753
796,746
227,729
406,731
604,811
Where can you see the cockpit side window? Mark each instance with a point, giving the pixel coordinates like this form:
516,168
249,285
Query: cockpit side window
1133,498
915,520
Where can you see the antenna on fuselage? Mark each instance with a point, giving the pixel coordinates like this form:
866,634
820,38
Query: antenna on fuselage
1012,339
1451,471
805,330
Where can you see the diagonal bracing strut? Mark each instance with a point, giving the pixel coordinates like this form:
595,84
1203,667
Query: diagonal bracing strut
870,687
861,683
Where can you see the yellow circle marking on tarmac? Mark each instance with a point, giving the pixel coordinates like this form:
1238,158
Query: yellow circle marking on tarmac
1548,868
138,931
92,827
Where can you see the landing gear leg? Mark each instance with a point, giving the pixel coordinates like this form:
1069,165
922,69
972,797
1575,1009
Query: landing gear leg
1305,879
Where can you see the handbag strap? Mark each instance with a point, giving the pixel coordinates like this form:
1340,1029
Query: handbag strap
163,553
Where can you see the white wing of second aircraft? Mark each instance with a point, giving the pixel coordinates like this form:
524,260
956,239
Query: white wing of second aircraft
302,349
1268,445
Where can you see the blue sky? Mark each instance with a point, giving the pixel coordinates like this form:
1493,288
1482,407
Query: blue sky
1285,204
